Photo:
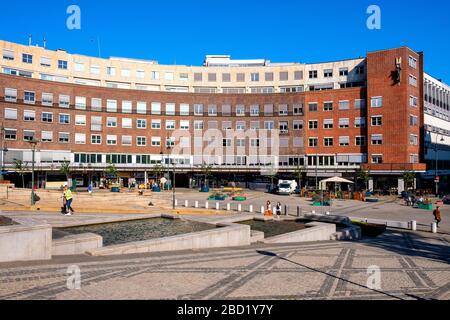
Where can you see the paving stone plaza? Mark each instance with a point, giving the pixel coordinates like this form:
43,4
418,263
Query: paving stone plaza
412,265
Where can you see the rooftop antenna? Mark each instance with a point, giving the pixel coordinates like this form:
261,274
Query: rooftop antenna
30,39
45,43
98,47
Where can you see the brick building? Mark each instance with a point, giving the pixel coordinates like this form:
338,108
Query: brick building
328,119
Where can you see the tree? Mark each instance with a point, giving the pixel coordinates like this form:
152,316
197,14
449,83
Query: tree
112,170
65,169
299,171
206,171
158,170
364,175
20,167
408,178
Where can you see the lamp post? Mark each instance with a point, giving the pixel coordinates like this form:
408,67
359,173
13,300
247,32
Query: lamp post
170,161
436,181
4,150
33,144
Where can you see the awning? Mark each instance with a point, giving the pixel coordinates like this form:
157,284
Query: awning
336,180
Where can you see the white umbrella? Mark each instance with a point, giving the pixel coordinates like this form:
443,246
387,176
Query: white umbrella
337,180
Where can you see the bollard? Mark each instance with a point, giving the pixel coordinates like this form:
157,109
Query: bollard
250,208
186,203
239,207
263,210
217,206
196,204
176,202
434,227
286,210
313,212
206,205
414,225
228,207
299,211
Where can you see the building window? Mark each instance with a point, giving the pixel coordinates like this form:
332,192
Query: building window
111,140
156,124
156,141
344,123
283,109
27,58
80,120
413,101
377,121
141,107
360,104
127,140
313,142
29,97
284,127
413,140
360,122
184,125
343,72
169,76
313,74
95,70
64,137
212,110
284,76
80,138
47,99
28,135
10,114
10,134
298,125
328,73
64,101
254,110
377,139
96,139
80,103
360,141
298,75
254,142
313,107
170,124
269,125
154,75
47,136
344,141
47,117
198,77
328,124
62,64
29,115
412,80
140,74
127,106
254,77
64,118
412,62
8,54
313,124
127,123
198,125
240,77
212,77
344,105
96,104
226,77
141,123
376,102
156,108
328,142
414,158
198,109
328,106
10,95
111,122
141,141
268,76
413,120
298,109
360,70
377,159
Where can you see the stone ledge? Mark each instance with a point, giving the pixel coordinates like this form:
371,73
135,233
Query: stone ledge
76,244
315,231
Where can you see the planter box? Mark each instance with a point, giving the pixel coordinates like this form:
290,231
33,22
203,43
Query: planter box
239,198
217,198
426,206
321,204
372,200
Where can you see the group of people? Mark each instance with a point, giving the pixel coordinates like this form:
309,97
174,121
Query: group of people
412,201
269,209
67,202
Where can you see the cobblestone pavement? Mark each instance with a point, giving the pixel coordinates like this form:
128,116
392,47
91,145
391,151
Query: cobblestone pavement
413,266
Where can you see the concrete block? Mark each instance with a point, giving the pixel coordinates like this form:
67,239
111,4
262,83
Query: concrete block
76,244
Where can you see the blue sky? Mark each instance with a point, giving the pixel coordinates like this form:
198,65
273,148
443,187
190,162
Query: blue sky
183,32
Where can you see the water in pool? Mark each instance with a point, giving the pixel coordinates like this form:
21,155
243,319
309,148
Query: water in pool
274,228
140,230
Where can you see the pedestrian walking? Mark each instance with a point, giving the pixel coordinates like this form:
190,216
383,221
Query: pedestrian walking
437,216
269,212
64,203
278,209
69,199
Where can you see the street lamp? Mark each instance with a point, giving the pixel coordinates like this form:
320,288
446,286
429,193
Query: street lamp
169,148
4,150
33,142
436,168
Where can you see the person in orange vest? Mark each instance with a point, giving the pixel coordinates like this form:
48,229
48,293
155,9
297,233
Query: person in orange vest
269,209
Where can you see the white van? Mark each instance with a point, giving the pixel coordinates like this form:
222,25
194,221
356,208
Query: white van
287,187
